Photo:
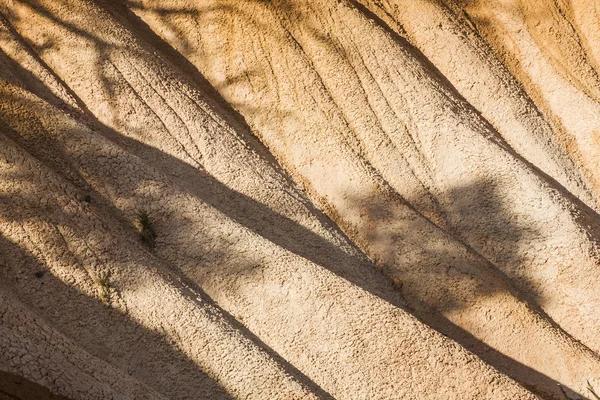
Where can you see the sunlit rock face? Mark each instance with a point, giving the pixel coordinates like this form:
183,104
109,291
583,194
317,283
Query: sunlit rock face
294,199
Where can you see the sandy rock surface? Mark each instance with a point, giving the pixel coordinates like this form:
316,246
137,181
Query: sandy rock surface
345,199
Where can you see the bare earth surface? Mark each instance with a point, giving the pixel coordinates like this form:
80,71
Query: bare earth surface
347,199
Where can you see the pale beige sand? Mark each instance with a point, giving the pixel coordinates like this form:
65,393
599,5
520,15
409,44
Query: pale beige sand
408,213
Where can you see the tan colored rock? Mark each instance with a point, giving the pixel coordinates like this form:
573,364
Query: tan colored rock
351,199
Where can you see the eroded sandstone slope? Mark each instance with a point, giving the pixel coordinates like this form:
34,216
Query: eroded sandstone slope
351,200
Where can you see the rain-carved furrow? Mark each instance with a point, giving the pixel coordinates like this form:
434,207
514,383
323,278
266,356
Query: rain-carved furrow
305,347
63,366
582,53
385,159
530,49
324,318
433,150
180,124
209,341
320,290
22,58
447,40
582,15
449,160
164,124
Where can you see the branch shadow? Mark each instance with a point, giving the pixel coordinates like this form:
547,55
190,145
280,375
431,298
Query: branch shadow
16,387
103,331
52,155
301,241
296,238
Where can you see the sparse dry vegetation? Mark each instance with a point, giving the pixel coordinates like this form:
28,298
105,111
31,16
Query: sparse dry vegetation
145,229
103,282
301,199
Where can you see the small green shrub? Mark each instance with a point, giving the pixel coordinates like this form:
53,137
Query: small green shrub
144,225
104,287
87,198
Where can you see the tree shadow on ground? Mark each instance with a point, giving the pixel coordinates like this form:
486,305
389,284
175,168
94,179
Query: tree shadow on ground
303,242
18,388
103,331
58,163
145,365
359,270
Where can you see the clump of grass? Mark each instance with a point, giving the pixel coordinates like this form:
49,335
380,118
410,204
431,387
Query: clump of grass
144,225
87,198
104,287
